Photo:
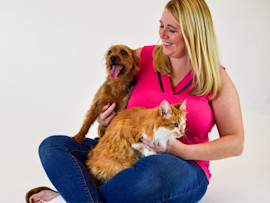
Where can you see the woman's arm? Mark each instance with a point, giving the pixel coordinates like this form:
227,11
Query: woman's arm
227,112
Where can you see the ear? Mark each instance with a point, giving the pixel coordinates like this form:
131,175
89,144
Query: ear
164,109
136,60
183,106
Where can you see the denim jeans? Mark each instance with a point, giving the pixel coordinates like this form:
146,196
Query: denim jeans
153,179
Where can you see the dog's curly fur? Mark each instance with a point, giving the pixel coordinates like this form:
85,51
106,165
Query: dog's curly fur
122,63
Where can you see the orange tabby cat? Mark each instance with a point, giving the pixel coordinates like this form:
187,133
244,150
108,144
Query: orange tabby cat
120,147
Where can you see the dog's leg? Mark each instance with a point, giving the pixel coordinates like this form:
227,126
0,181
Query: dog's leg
90,118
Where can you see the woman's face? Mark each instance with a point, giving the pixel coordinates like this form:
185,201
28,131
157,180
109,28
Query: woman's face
171,35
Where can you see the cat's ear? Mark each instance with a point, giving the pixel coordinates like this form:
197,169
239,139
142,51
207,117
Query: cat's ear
164,109
181,106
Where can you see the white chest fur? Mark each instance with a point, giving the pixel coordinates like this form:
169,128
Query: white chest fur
162,137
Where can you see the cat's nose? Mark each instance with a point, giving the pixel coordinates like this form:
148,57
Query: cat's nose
182,130
176,134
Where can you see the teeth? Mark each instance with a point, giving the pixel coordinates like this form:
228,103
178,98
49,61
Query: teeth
167,44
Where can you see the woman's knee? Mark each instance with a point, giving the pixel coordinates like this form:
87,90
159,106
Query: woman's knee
56,144
157,173
149,184
164,170
170,177
50,143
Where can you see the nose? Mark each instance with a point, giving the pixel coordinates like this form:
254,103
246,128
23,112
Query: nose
113,59
163,33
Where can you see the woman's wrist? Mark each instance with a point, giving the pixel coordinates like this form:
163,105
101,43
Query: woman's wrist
178,149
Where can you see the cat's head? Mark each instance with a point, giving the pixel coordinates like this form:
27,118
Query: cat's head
172,119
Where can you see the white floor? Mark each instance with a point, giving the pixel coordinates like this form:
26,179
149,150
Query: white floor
235,180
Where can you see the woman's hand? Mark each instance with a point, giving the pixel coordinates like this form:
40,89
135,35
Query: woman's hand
171,148
155,147
107,114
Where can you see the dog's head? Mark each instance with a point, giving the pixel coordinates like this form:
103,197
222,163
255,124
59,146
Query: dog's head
121,62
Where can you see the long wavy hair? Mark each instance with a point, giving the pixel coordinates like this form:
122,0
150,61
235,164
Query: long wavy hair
198,32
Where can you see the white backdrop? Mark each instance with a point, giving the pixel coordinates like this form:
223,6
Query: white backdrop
51,54
51,60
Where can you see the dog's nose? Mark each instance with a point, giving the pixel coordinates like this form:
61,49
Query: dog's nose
113,58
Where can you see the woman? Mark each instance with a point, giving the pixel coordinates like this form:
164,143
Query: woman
185,66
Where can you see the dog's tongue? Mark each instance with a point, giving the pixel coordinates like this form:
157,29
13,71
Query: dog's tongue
115,71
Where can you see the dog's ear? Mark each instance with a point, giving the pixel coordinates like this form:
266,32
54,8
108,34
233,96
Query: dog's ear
136,60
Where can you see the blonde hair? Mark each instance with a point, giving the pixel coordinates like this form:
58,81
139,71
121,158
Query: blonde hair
198,32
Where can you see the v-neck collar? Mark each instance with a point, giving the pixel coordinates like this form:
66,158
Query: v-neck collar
165,83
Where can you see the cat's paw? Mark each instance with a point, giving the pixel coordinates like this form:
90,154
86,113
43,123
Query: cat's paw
138,146
142,149
148,152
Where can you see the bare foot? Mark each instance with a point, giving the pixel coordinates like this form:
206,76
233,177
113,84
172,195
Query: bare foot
45,195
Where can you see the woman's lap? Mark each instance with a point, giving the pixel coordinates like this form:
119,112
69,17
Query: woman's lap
158,178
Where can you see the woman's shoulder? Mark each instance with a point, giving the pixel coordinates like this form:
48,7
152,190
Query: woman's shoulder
145,49
227,89
223,76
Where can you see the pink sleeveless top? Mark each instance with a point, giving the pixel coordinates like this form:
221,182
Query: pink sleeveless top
151,88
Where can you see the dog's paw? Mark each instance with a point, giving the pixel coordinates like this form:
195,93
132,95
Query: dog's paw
79,139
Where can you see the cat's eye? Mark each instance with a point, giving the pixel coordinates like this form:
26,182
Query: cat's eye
123,52
175,125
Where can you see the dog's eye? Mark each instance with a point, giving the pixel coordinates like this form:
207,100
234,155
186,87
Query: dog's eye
123,52
110,52
175,125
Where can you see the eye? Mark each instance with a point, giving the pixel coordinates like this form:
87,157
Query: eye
110,52
161,24
123,52
175,125
172,31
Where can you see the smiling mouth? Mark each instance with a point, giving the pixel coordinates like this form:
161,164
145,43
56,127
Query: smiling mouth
167,44
116,69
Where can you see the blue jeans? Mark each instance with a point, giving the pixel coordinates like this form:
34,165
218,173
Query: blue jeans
153,179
